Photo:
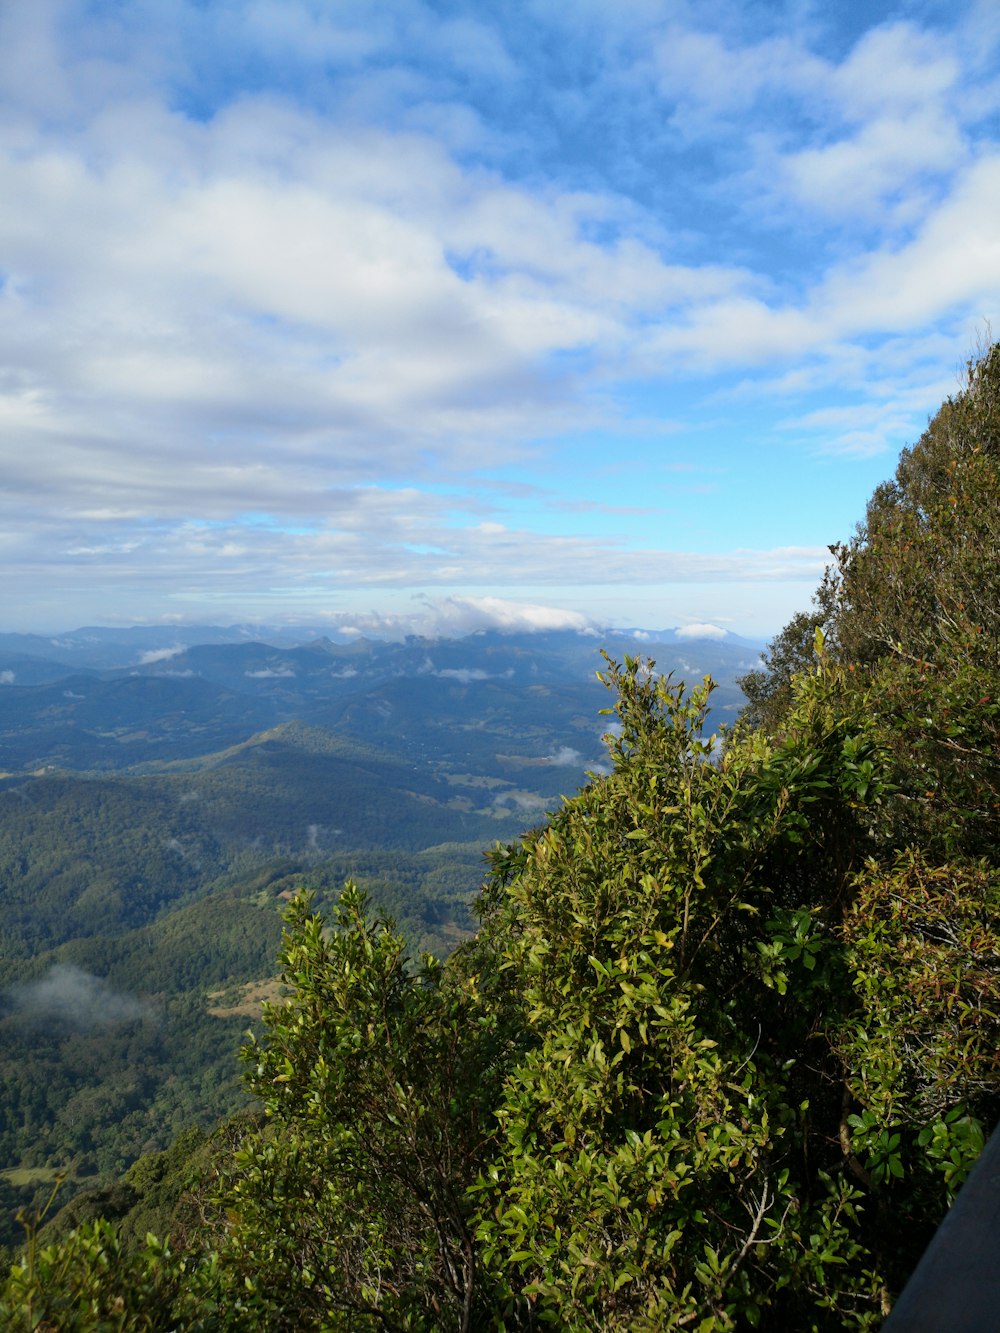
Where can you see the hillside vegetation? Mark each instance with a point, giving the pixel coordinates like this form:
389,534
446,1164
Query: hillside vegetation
128,901
162,795
723,1048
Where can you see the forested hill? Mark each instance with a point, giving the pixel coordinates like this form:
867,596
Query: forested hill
722,1049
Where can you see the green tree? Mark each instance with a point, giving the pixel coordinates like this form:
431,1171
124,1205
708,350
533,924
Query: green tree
768,689
350,1209
671,1153
912,617
912,608
88,1282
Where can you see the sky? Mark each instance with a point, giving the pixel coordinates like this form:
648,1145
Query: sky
443,314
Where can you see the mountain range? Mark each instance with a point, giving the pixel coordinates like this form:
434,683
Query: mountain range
108,699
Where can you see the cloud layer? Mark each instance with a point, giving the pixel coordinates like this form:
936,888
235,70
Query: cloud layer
293,299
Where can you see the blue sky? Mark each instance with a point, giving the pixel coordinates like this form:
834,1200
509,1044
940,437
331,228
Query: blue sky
439,314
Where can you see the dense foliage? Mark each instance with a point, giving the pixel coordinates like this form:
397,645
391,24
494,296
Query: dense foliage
724,1046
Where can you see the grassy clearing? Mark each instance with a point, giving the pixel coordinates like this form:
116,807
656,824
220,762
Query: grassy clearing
250,997
30,1175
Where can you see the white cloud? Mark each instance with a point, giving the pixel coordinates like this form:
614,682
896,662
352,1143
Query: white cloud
271,673
160,654
950,267
880,168
6,678
708,79
952,263
382,544
565,757
68,995
455,616
896,66
525,800
703,631
464,675
859,429
411,253
498,613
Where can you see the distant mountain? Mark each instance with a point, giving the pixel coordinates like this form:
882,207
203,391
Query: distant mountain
103,648
440,700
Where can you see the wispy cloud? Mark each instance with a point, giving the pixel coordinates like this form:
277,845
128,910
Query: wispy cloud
464,675
73,998
565,757
160,654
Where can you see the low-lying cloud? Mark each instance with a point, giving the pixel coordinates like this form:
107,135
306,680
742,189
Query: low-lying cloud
160,654
525,801
453,617
702,631
69,996
565,757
